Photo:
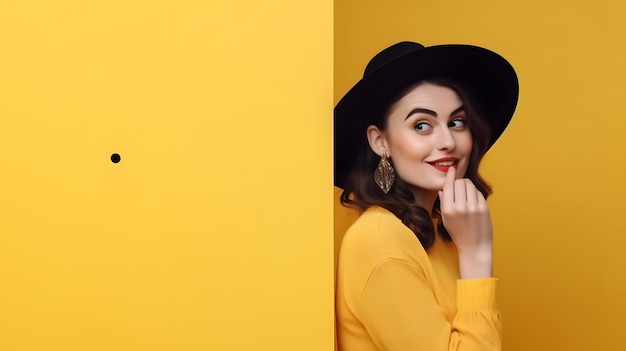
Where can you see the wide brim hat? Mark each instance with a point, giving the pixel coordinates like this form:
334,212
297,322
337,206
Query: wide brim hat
490,78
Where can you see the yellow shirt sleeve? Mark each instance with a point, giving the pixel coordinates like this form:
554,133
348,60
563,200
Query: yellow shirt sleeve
390,297
400,312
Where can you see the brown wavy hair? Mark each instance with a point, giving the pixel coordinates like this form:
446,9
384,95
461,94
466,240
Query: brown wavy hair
360,190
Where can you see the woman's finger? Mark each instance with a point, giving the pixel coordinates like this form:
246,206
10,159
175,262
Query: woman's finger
471,194
448,188
460,196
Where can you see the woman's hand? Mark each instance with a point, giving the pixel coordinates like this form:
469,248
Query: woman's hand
465,215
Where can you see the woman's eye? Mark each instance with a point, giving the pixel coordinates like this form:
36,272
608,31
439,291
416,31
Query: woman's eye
423,127
457,123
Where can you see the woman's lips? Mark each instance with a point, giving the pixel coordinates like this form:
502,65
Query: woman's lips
445,163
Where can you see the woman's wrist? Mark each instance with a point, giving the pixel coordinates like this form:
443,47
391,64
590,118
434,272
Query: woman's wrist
476,263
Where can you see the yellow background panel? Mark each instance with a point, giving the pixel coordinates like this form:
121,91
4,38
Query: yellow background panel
214,230
557,171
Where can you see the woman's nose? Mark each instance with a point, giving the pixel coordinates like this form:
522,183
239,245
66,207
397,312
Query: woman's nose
445,139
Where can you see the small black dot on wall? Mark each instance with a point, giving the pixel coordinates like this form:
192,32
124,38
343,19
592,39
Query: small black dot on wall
116,158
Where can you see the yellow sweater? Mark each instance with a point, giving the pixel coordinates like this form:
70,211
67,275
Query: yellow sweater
392,295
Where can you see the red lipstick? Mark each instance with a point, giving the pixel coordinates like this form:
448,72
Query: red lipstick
444,163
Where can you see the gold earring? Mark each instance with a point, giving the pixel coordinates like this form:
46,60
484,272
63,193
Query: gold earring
384,174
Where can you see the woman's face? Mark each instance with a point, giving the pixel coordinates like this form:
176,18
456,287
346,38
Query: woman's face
427,133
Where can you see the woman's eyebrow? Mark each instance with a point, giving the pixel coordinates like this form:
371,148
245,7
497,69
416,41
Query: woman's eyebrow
421,110
461,108
431,112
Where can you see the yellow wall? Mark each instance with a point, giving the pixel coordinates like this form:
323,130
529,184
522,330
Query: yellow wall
557,172
214,230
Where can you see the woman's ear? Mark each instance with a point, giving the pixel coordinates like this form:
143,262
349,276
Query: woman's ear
377,141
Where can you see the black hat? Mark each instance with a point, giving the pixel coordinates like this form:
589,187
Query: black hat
491,79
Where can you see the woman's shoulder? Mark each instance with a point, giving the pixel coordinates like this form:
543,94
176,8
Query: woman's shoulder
376,219
379,235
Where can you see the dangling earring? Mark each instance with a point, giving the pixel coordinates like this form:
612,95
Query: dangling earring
384,174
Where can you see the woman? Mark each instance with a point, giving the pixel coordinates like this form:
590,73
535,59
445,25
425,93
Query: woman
415,269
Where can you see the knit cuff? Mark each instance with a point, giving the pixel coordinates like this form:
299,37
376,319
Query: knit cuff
476,294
